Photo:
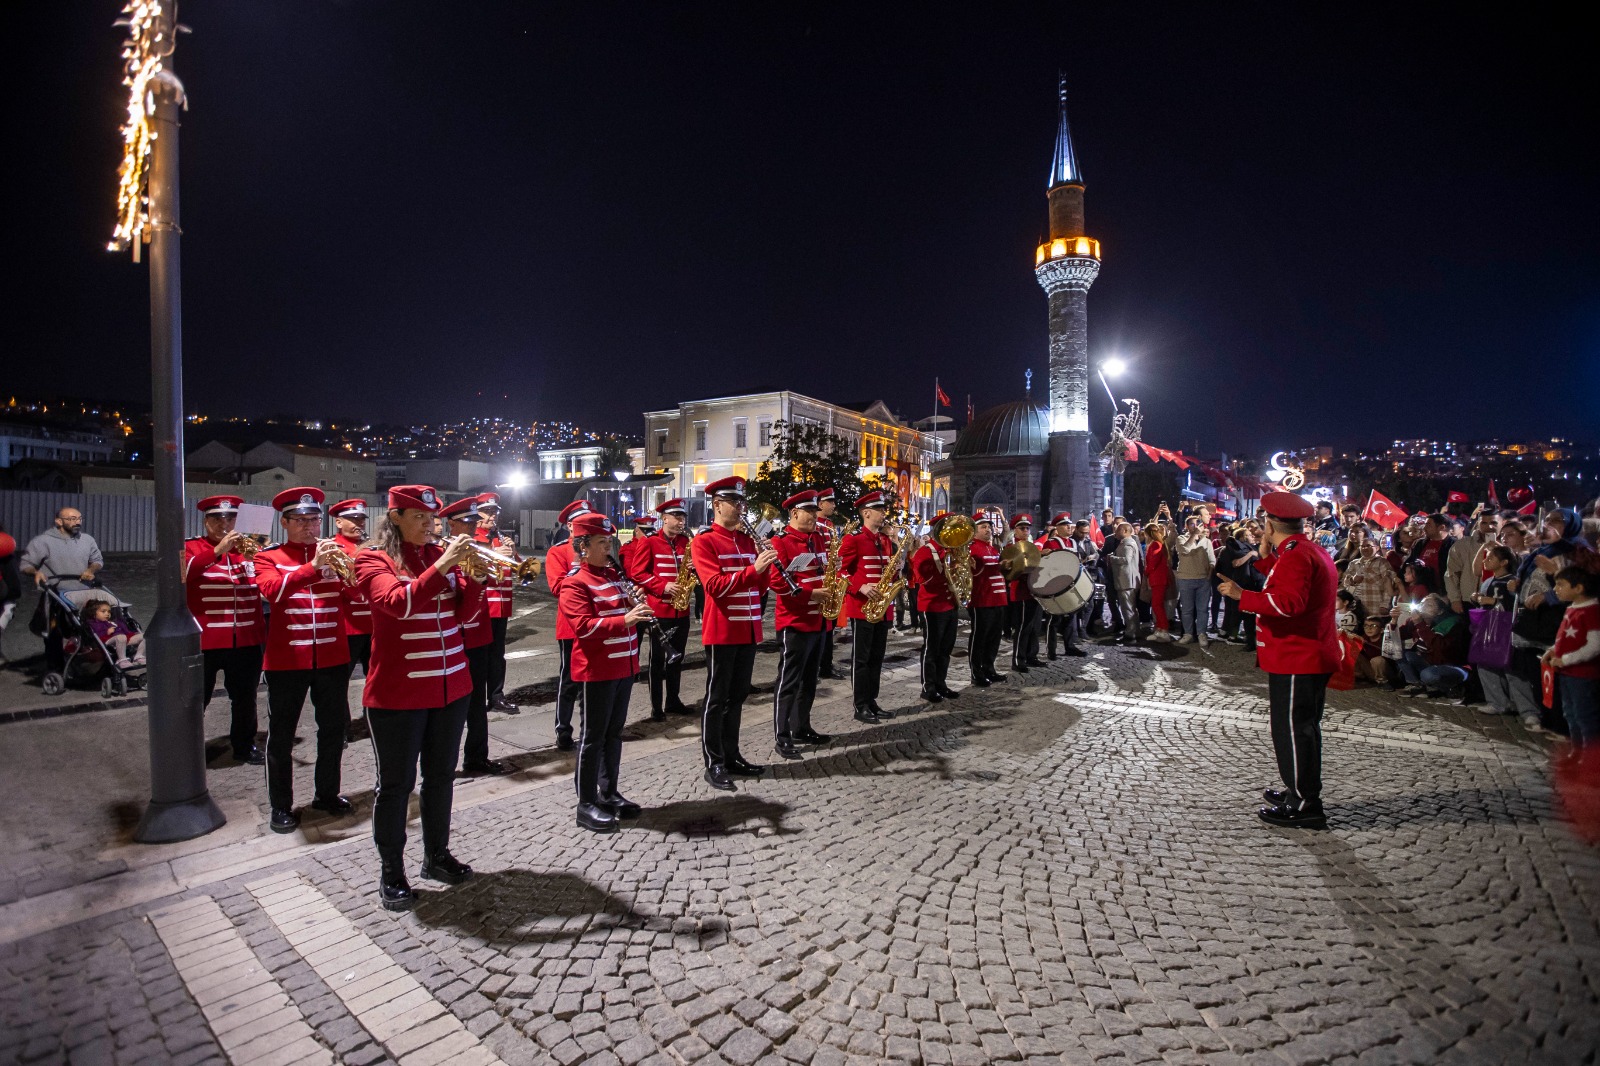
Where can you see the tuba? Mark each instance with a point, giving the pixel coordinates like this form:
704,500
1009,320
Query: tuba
834,583
954,534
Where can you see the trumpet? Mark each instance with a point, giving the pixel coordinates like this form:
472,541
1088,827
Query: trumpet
769,514
482,562
343,567
249,544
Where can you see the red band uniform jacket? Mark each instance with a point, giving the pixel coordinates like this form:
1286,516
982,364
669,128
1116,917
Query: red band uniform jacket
476,632
798,611
725,560
419,660
497,590
653,566
863,555
988,581
933,589
604,646
222,597
1295,631
557,565
305,630
357,611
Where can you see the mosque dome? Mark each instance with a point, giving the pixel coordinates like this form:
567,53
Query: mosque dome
1018,428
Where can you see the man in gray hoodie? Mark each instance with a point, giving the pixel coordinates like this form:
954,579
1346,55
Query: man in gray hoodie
67,553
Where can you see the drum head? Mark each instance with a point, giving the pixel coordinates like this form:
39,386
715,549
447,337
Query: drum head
1057,583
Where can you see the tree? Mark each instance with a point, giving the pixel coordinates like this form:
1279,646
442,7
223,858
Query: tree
806,457
614,455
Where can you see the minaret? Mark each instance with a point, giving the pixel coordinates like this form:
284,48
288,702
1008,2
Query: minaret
1066,265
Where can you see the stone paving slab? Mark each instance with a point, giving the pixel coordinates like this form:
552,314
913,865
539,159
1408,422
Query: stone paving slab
1067,870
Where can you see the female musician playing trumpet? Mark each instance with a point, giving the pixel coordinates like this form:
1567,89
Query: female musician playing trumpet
418,685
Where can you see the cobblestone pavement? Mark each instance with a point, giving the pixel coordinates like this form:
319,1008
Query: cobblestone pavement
1067,870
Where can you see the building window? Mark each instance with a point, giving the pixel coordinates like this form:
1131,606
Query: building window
699,476
700,436
741,435
661,442
741,470
764,434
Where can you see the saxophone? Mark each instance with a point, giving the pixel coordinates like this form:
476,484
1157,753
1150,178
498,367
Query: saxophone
890,584
834,584
681,592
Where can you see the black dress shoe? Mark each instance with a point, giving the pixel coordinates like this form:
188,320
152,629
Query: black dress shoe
356,730
829,675
739,766
394,891
285,821
811,736
596,819
1308,817
1036,663
491,768
982,682
255,757
658,716
1274,796
1074,650
1051,655
1020,668
679,708
332,804
949,694
503,704
716,776
879,711
997,678
931,696
564,741
784,746
864,714
620,805
445,867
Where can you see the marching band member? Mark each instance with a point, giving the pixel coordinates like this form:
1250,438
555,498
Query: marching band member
477,639
416,694
1061,625
1025,645
989,600
798,619
499,589
863,555
826,506
733,573
350,532
558,564
653,566
221,587
938,606
605,658
307,652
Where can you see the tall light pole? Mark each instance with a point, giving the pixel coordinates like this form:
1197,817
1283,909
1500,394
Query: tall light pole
180,805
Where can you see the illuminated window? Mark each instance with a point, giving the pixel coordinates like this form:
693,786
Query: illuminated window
741,469
699,475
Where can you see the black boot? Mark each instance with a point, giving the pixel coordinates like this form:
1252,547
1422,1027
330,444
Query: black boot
443,866
285,821
596,819
394,891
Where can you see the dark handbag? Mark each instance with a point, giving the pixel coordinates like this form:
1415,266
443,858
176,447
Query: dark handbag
1539,624
1491,639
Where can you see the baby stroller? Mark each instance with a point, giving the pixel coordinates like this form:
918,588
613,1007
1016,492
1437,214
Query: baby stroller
73,653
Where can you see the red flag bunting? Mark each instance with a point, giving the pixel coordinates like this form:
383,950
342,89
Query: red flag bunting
1494,498
1095,534
940,394
1383,511
1459,497
1531,507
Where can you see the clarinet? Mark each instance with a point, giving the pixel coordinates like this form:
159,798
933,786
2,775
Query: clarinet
636,595
790,586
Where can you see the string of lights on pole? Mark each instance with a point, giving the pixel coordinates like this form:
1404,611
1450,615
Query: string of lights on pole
152,29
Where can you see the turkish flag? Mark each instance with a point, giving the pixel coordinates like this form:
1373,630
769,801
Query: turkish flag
1132,454
1383,511
1494,498
1458,497
940,394
1095,534
1531,507
1520,495
1178,457
1153,454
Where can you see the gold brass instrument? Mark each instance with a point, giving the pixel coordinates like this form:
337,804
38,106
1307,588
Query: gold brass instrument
834,583
954,533
681,592
482,563
890,584
1019,557
249,544
769,514
343,567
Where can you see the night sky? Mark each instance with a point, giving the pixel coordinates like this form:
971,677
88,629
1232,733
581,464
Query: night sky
1335,225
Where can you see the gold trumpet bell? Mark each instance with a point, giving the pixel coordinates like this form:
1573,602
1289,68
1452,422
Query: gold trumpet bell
954,531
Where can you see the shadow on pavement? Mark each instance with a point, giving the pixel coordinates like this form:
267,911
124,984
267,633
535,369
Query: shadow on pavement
524,907
721,816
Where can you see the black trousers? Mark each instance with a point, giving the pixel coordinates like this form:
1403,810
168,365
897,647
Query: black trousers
1297,701
360,655
241,673
497,658
938,641
983,641
799,660
666,681
286,695
1114,602
1011,620
602,711
1025,648
728,670
477,750
867,642
401,741
566,691
827,648
1064,627
1232,617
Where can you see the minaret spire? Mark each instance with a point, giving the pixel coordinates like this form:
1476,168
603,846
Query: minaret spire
1064,167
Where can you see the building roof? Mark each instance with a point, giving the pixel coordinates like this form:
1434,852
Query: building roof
1064,167
1018,428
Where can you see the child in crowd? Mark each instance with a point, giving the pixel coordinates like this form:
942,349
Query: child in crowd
115,634
1370,663
1576,654
1348,615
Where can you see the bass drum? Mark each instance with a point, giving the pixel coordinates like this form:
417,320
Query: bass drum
1061,584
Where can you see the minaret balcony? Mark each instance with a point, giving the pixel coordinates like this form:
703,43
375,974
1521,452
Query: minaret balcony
1062,247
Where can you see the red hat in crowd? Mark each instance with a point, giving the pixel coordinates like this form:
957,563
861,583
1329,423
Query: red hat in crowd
463,510
731,488
488,503
416,497
645,521
876,498
589,523
1064,518
825,495
1285,505
299,501
1022,519
220,504
349,509
806,498
573,510
672,506
984,517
